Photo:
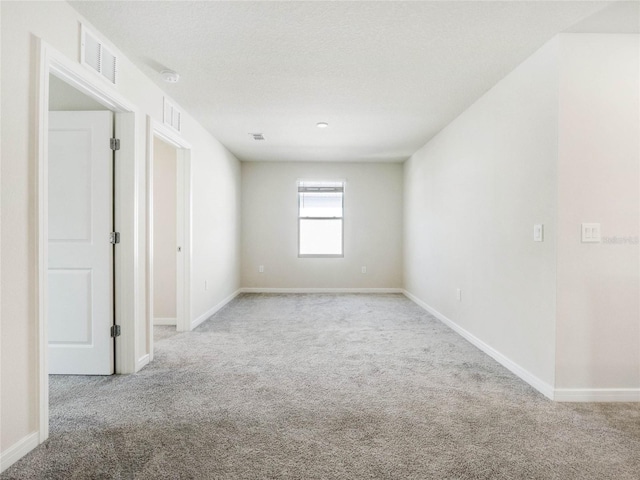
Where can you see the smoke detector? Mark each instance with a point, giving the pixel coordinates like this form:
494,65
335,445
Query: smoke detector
170,76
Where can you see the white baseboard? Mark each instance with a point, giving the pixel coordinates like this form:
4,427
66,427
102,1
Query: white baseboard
320,290
165,321
18,450
546,389
211,311
143,361
597,395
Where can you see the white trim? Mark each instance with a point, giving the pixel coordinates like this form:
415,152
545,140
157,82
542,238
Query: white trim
320,290
127,258
42,132
165,321
597,395
543,387
50,61
142,362
18,450
82,79
211,311
149,227
169,136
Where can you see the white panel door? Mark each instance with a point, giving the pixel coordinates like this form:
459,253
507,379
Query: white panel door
80,274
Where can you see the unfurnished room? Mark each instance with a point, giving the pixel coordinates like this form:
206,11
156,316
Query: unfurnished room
320,240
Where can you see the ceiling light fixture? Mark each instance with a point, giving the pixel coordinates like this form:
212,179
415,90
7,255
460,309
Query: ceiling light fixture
170,76
322,124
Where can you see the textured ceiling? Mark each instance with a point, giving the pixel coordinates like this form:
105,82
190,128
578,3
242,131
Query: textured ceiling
386,76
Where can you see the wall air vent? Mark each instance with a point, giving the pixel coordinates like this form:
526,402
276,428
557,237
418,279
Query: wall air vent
98,57
257,136
171,115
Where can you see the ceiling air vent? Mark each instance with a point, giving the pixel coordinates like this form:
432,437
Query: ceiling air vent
257,136
95,55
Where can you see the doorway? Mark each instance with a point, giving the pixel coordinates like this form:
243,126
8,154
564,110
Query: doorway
81,219
166,248
169,206
55,71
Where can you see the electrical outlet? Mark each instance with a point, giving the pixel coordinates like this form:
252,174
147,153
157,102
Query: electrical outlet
261,269
364,269
459,294
590,233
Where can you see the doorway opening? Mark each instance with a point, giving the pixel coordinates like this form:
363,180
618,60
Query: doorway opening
169,232
72,219
166,247
81,219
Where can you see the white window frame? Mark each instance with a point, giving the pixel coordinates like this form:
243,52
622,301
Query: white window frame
299,185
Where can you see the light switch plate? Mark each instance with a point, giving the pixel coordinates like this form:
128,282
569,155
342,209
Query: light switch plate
590,233
538,233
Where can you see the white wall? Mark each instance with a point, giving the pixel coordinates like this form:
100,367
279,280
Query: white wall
216,241
372,226
556,142
472,196
216,202
165,245
599,181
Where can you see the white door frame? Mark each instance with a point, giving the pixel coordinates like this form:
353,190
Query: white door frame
183,223
50,61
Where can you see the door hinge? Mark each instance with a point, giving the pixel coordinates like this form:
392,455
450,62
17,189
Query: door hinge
115,144
115,331
114,237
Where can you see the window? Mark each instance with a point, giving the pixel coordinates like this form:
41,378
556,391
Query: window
320,219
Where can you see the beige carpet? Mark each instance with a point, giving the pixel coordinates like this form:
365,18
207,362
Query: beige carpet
325,387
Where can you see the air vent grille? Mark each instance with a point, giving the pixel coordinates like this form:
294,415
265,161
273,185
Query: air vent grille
91,52
108,65
95,55
171,115
257,136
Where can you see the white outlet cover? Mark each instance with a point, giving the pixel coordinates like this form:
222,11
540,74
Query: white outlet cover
538,233
590,233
